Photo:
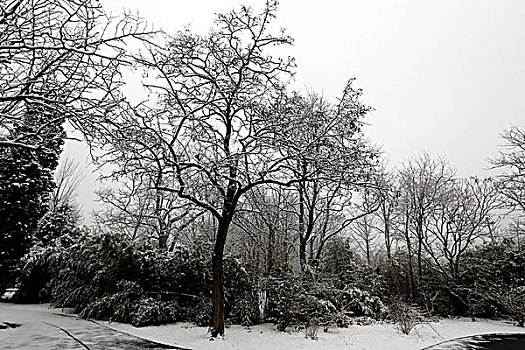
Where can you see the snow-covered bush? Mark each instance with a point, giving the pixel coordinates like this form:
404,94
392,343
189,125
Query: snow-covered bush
56,232
515,304
288,301
242,303
36,271
406,316
353,301
311,329
118,307
91,269
152,312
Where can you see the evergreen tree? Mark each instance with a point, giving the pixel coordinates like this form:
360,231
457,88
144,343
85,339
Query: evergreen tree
26,180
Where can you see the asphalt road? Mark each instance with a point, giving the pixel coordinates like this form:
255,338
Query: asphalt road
34,327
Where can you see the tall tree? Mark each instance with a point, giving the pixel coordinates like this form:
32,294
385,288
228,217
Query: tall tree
423,181
462,216
208,137
221,123
324,200
26,181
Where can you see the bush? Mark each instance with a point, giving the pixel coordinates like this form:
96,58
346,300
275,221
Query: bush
311,329
406,316
241,299
56,231
200,312
118,307
515,304
354,302
36,273
91,269
288,303
153,312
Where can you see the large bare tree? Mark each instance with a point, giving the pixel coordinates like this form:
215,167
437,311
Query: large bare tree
462,216
220,123
208,138
423,181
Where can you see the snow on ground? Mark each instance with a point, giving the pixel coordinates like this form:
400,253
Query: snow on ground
265,336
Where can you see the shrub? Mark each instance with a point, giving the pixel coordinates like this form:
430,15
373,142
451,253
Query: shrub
406,316
354,302
241,299
35,275
515,304
152,312
311,329
200,312
118,307
91,269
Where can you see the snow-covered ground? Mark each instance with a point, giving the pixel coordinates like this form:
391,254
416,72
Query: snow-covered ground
378,336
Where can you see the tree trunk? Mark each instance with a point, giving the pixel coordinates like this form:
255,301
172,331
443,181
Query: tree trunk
410,267
388,243
163,236
302,230
270,257
217,323
419,252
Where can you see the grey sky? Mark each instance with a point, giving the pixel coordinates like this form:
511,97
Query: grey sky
445,77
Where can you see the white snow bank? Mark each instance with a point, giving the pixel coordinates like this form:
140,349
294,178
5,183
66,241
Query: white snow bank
265,336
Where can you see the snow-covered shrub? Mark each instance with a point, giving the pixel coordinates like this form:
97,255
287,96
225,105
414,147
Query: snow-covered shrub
311,329
118,307
56,232
91,269
291,304
151,312
489,270
354,302
515,304
36,271
241,299
200,313
406,316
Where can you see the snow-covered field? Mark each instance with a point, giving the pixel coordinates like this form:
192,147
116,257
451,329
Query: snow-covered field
378,336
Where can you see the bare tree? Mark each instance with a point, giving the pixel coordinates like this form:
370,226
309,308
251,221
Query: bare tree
62,58
512,159
68,177
209,137
267,227
324,200
364,229
462,216
137,208
222,124
423,181
387,193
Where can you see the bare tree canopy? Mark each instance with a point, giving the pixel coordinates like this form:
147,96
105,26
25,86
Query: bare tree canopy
512,160
220,123
60,57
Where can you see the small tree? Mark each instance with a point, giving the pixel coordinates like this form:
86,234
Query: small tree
515,303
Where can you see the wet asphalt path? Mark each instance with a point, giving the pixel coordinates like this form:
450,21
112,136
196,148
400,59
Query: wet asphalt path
30,327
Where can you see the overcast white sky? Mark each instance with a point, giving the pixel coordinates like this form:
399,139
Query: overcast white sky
445,77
